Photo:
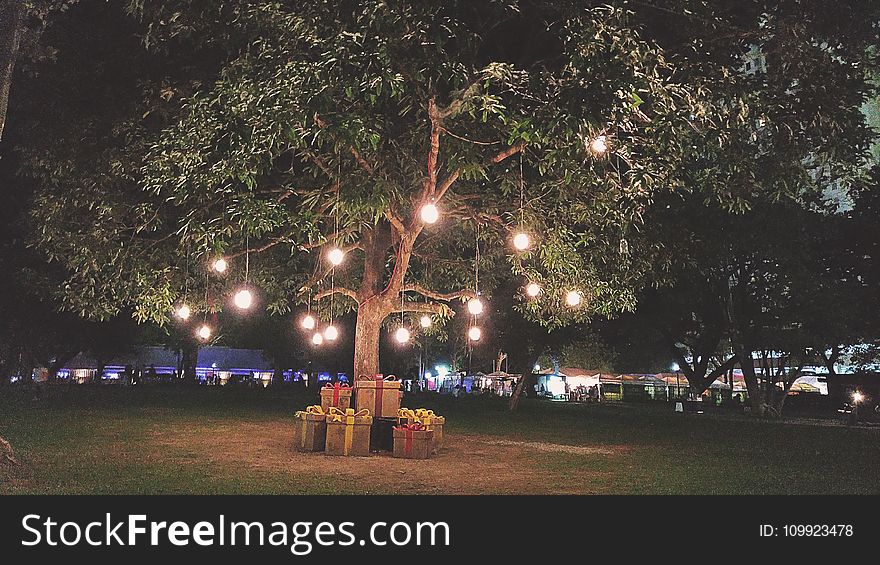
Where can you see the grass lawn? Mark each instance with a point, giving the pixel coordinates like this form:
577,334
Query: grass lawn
106,440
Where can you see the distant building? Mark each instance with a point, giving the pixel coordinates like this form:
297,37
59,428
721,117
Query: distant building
215,365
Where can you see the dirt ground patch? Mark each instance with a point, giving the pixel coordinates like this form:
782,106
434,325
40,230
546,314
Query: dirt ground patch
467,464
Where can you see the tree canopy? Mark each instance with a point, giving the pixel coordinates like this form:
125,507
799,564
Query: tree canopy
332,124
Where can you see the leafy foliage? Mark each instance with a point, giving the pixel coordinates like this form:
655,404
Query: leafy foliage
317,128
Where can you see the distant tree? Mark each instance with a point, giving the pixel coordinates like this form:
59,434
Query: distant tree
785,154
22,23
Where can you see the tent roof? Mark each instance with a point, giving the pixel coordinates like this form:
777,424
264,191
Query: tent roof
229,358
502,375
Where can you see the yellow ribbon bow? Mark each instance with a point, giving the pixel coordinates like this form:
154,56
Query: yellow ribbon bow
348,418
425,416
405,414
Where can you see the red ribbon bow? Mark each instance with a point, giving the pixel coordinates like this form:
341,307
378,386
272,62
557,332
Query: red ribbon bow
408,430
336,388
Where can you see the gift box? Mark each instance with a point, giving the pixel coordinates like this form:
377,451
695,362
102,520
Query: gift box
348,432
434,423
380,395
381,438
412,441
335,396
310,429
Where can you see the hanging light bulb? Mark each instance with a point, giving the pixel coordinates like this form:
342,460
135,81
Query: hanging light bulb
429,213
243,299
204,332
335,256
308,322
475,306
220,265
599,145
533,289
522,241
574,298
183,312
317,339
425,321
475,333
331,333
402,335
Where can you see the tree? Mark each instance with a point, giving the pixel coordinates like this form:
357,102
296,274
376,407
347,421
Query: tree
737,250
22,23
11,29
333,126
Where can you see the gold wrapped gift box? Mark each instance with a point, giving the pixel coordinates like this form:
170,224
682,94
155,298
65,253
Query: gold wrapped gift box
412,441
428,419
310,429
380,395
348,432
335,396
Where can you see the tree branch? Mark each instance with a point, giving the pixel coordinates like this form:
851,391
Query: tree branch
429,308
510,151
362,162
336,290
267,246
396,222
444,297
433,151
494,160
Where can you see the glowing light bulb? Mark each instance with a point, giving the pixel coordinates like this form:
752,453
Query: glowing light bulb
857,397
243,299
402,335
425,321
308,322
533,289
331,333
599,145
183,312
429,213
317,339
475,333
522,241
204,332
220,265
475,306
335,256
574,298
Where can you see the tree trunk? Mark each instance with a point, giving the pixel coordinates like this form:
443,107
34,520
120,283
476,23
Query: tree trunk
373,307
368,329
11,24
748,368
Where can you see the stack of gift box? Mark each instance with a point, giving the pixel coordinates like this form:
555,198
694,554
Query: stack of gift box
375,423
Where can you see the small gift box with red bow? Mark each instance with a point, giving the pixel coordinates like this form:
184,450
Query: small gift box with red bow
412,441
336,395
310,429
428,419
380,395
348,432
